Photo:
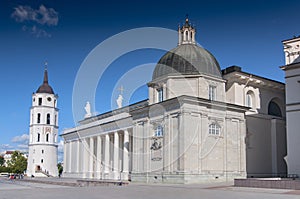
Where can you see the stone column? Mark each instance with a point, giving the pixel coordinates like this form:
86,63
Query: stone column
85,158
65,157
125,155
78,156
106,154
91,158
99,158
116,155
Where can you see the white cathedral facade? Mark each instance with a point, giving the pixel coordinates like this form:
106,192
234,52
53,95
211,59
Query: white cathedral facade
199,124
43,132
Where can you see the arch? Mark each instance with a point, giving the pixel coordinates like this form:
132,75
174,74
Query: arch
274,108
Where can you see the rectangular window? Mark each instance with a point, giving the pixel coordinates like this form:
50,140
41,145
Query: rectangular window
212,92
160,95
40,101
38,118
159,131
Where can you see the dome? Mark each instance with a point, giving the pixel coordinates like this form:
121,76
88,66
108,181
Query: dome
45,87
187,59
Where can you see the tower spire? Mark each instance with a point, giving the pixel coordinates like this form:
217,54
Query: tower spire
46,74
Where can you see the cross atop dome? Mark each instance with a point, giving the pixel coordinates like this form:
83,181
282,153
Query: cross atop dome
186,33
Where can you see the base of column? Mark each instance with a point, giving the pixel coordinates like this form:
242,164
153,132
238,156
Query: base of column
125,176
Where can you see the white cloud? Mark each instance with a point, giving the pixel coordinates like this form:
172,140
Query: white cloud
5,147
41,16
23,139
36,31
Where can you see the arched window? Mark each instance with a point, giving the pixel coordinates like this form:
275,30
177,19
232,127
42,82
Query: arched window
47,137
249,99
48,118
186,35
274,109
214,129
38,118
38,137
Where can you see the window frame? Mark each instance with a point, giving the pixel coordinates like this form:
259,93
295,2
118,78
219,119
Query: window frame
212,92
214,129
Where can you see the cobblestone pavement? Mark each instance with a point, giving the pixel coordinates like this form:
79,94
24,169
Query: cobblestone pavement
30,190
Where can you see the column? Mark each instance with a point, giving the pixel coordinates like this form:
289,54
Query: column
106,154
65,157
116,155
85,158
78,157
99,158
125,154
91,158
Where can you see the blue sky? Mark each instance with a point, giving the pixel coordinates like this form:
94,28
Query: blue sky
63,33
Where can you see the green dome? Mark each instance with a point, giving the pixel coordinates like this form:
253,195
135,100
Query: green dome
187,59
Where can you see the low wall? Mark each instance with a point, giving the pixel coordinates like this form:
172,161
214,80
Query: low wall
272,183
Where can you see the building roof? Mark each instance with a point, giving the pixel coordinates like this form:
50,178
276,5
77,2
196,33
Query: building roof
45,87
187,59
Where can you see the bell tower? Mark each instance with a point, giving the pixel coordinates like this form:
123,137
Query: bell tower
43,131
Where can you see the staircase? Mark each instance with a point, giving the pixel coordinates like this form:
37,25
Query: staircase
42,172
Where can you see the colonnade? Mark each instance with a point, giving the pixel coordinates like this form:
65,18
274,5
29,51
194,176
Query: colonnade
103,156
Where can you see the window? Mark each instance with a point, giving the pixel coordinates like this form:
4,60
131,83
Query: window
160,95
212,92
48,118
55,120
42,151
159,131
214,129
249,102
274,109
186,35
40,101
38,118
42,160
47,137
38,137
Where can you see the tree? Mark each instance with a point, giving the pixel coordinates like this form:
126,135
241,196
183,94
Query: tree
2,161
18,162
60,169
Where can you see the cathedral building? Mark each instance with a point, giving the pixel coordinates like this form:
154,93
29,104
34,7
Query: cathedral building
199,124
43,132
